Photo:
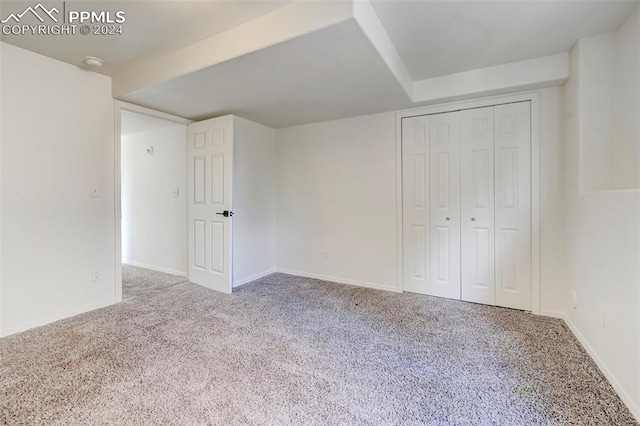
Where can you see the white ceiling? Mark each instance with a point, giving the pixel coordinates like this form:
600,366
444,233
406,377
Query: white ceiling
324,75
335,69
152,28
132,123
436,38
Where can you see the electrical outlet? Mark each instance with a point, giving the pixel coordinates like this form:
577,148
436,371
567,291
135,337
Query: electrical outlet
94,192
96,276
574,299
603,316
325,254
259,252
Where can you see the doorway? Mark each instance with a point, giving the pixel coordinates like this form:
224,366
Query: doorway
151,253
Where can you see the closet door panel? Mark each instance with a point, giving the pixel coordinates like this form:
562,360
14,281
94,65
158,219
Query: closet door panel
444,200
477,205
513,205
415,200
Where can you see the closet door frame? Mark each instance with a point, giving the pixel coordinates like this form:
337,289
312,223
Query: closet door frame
532,97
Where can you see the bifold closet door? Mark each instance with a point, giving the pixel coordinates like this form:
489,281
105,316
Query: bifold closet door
467,205
431,204
513,205
415,199
444,170
477,205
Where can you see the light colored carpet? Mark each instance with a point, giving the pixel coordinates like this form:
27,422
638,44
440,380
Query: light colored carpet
289,350
138,282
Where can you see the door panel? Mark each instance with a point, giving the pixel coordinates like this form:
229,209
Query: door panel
419,252
415,193
508,242
477,205
441,180
217,246
513,205
217,179
199,179
442,253
210,159
445,204
419,180
199,242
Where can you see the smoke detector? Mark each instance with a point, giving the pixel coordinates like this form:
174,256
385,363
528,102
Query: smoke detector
93,61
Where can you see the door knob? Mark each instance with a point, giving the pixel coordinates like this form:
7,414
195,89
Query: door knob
472,219
225,213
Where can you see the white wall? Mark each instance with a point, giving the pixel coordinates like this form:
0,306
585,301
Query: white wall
154,232
337,192
57,144
596,112
609,107
626,125
603,251
253,201
553,290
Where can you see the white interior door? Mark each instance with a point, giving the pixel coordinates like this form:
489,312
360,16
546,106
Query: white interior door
445,204
513,205
477,199
210,162
415,196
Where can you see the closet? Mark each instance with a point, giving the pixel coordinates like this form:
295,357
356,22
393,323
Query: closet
466,186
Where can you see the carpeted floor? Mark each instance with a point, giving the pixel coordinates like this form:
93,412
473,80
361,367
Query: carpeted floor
289,350
138,282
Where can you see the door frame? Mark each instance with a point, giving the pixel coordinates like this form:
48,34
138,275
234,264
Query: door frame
120,106
534,98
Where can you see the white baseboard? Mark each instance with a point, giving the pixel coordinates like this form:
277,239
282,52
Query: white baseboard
622,393
53,318
154,268
253,278
552,314
339,280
